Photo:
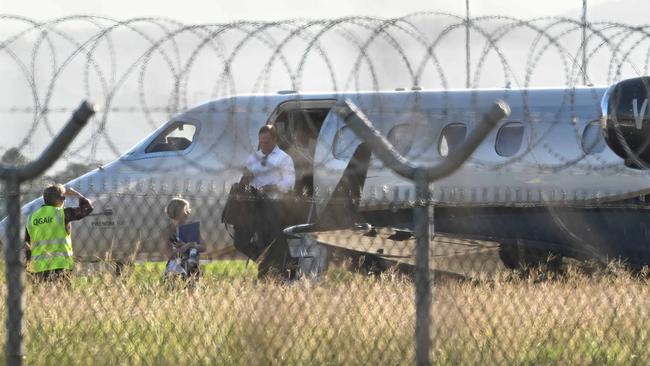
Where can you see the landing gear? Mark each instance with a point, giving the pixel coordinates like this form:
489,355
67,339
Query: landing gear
367,264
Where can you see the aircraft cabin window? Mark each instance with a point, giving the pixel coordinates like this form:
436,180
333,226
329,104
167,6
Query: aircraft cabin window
509,139
451,138
177,137
407,138
592,139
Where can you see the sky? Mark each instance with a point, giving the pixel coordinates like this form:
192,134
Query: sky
213,11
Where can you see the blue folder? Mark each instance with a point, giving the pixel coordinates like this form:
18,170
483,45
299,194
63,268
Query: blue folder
190,232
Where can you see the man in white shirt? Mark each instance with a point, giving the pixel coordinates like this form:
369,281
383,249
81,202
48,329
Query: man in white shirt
269,170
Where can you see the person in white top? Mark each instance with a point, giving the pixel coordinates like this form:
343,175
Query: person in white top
269,168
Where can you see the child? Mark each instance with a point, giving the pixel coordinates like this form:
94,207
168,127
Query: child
182,258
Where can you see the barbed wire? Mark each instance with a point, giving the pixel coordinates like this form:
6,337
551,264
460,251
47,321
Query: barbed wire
122,59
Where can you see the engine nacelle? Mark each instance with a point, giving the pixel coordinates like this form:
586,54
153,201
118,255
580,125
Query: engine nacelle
626,121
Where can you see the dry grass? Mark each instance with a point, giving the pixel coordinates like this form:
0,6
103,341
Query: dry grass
345,319
576,319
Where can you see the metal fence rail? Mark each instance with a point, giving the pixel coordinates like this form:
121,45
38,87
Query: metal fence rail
422,176
13,177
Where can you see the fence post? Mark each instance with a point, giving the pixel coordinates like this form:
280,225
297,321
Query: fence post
422,271
422,176
14,274
14,270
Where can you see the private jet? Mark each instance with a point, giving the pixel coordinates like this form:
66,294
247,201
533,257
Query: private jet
565,175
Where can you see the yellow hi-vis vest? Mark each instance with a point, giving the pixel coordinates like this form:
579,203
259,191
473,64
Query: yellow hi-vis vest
51,244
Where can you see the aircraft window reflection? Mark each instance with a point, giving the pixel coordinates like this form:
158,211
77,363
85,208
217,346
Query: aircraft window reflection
177,137
344,143
408,138
509,139
592,139
451,138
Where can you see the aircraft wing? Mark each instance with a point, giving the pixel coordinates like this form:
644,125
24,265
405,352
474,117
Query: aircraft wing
449,253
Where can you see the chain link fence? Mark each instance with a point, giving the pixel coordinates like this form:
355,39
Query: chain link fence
538,253
362,310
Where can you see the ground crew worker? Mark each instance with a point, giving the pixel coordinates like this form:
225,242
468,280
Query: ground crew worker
48,234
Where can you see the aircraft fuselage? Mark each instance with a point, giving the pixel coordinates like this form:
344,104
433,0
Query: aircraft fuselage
544,175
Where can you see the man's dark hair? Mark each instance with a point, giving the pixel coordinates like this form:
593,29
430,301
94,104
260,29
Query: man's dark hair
267,129
53,193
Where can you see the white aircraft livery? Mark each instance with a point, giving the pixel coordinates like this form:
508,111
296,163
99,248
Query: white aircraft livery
566,173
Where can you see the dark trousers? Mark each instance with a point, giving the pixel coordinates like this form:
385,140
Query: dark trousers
261,238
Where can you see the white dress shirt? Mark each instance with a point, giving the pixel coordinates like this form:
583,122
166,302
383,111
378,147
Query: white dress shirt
277,168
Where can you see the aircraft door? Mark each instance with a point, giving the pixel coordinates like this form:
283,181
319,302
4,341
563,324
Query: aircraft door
335,148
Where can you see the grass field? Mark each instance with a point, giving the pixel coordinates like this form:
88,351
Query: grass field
231,318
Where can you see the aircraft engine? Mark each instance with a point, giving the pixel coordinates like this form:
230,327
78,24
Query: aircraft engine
625,121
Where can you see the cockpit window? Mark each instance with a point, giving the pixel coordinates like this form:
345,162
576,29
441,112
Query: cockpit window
177,137
592,139
452,138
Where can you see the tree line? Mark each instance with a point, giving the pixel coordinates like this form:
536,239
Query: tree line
33,189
